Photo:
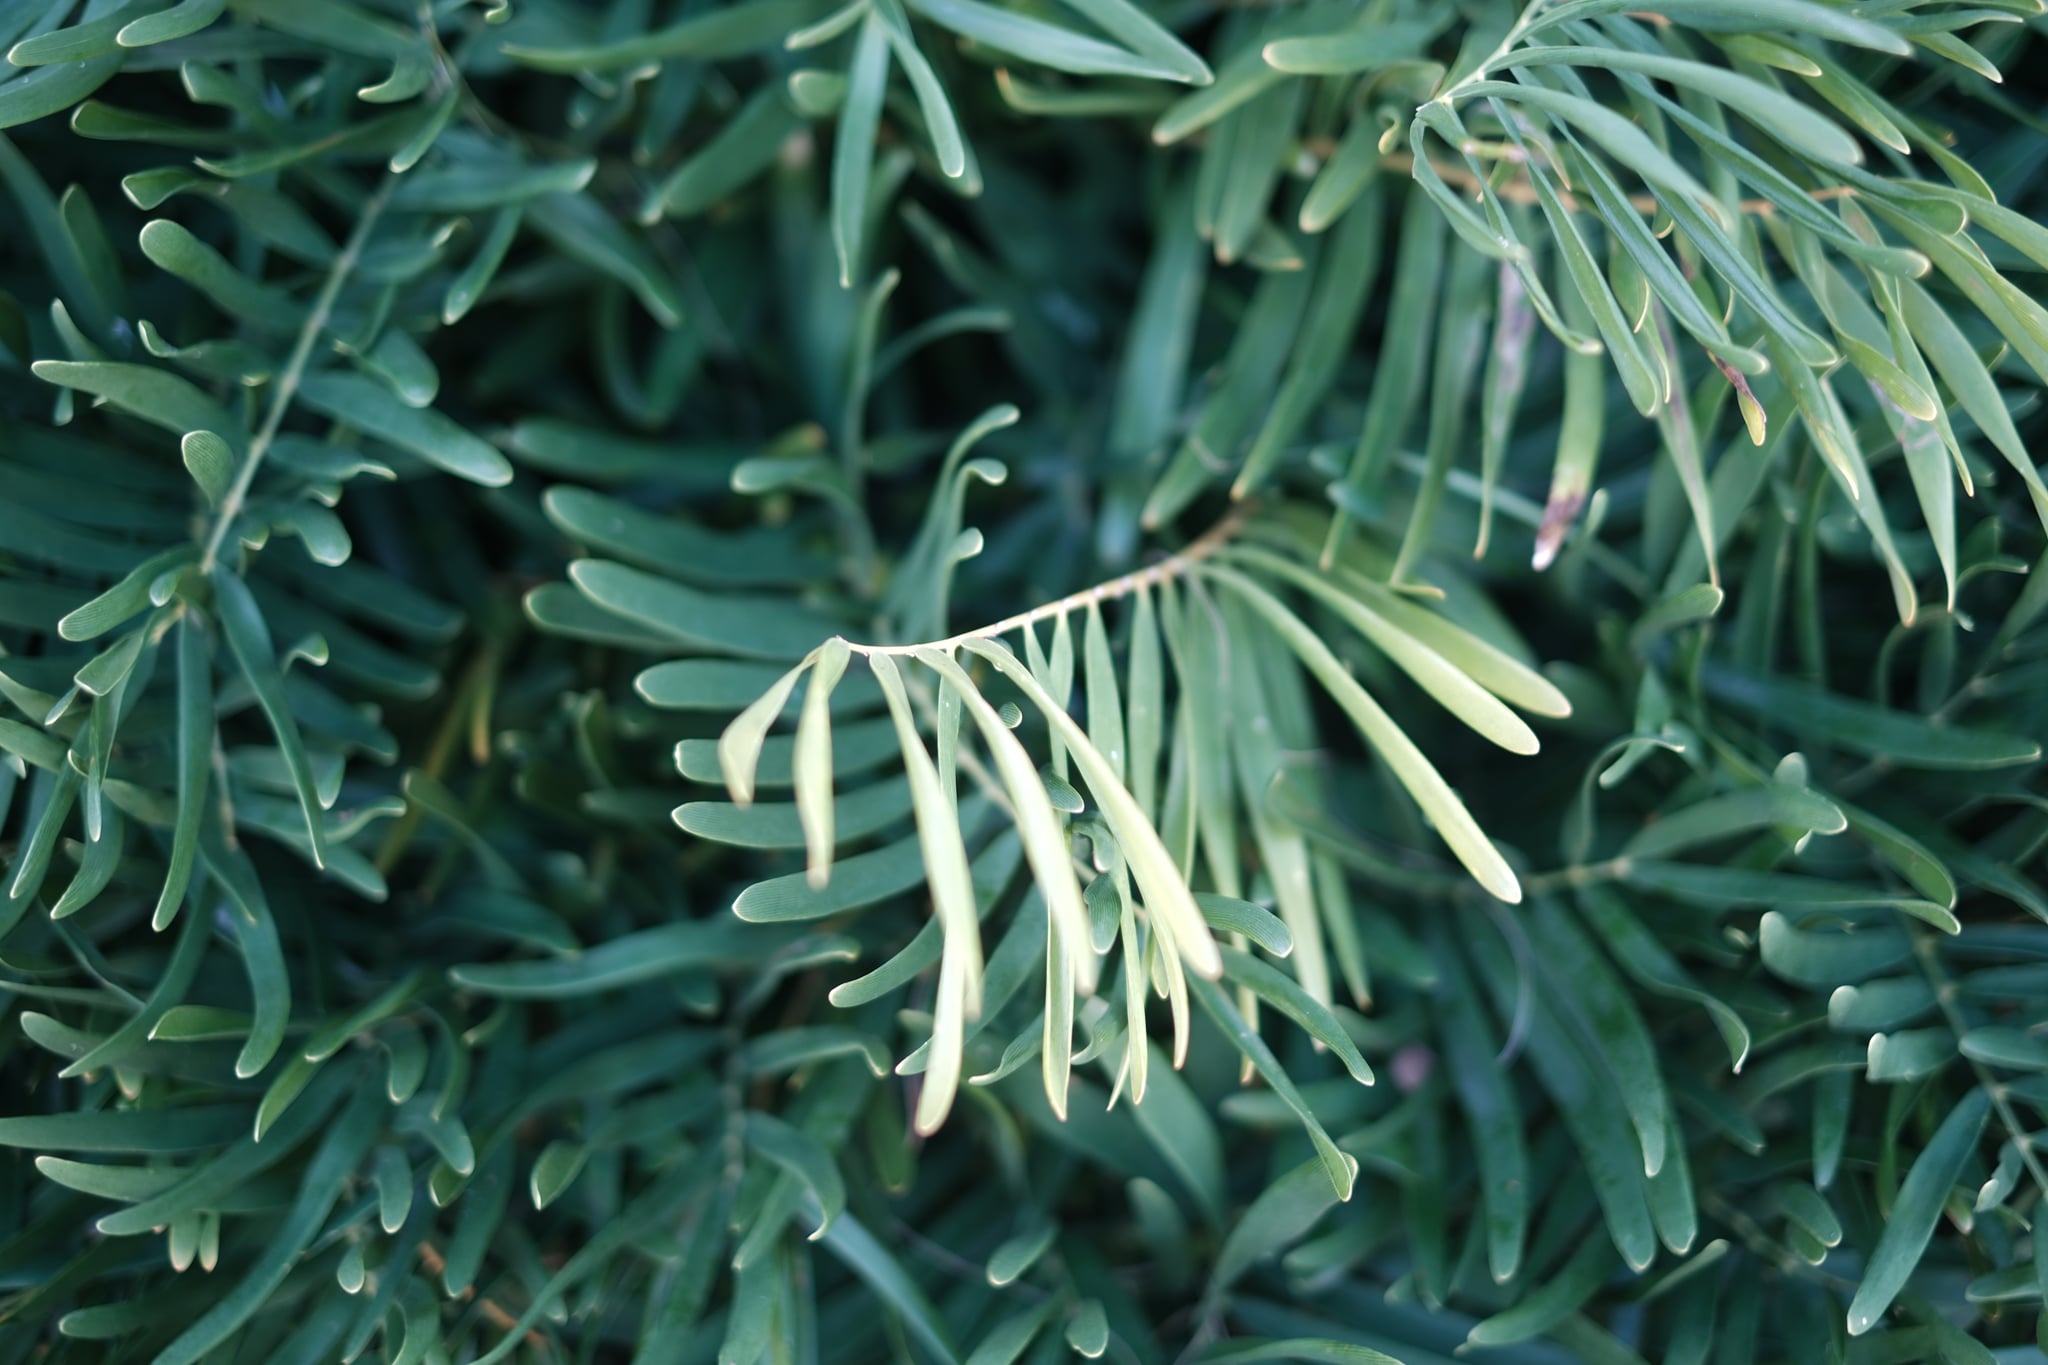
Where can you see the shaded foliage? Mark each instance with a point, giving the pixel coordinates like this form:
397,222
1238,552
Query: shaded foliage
947,681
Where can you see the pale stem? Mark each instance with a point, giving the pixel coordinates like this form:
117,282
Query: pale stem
1926,951
294,371
1172,567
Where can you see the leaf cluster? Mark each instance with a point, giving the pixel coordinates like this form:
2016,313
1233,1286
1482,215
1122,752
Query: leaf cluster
965,681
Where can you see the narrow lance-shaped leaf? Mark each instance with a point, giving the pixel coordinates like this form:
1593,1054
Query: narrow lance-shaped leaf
802,1155
1340,1168
1147,716
1442,806
924,82
1286,995
1450,687
1144,35
1056,1045
195,764
248,639
372,407
1480,1082
1681,443
853,152
96,868
1581,427
1051,45
1038,825
341,1148
1798,126
945,861
739,747
811,761
1916,1210
1614,1036
1166,896
1137,1048
1507,370
1098,682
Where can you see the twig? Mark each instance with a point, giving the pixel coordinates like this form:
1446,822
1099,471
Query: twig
1172,567
1521,191
431,1258
1926,950
294,372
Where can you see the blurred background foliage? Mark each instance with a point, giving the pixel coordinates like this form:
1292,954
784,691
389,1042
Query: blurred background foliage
424,426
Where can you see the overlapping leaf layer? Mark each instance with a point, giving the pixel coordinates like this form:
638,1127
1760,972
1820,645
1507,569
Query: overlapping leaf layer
954,680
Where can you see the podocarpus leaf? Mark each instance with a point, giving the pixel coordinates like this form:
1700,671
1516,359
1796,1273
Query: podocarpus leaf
1914,1212
608,1083
1165,893
194,739
155,396
739,747
749,627
1452,688
248,639
1479,1078
363,403
1284,994
1908,740
1039,827
1438,801
945,858
1339,1168
853,152
339,1151
811,761
800,1154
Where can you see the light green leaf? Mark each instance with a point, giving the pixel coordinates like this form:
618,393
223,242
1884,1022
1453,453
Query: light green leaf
1038,826
945,859
1792,123
1049,45
1439,803
739,746
811,762
1166,895
181,20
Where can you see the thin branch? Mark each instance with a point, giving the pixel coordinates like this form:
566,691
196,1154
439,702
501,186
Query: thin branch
1520,191
1926,951
294,372
1172,567
503,1320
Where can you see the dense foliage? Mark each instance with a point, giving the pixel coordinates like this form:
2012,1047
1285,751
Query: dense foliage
952,680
